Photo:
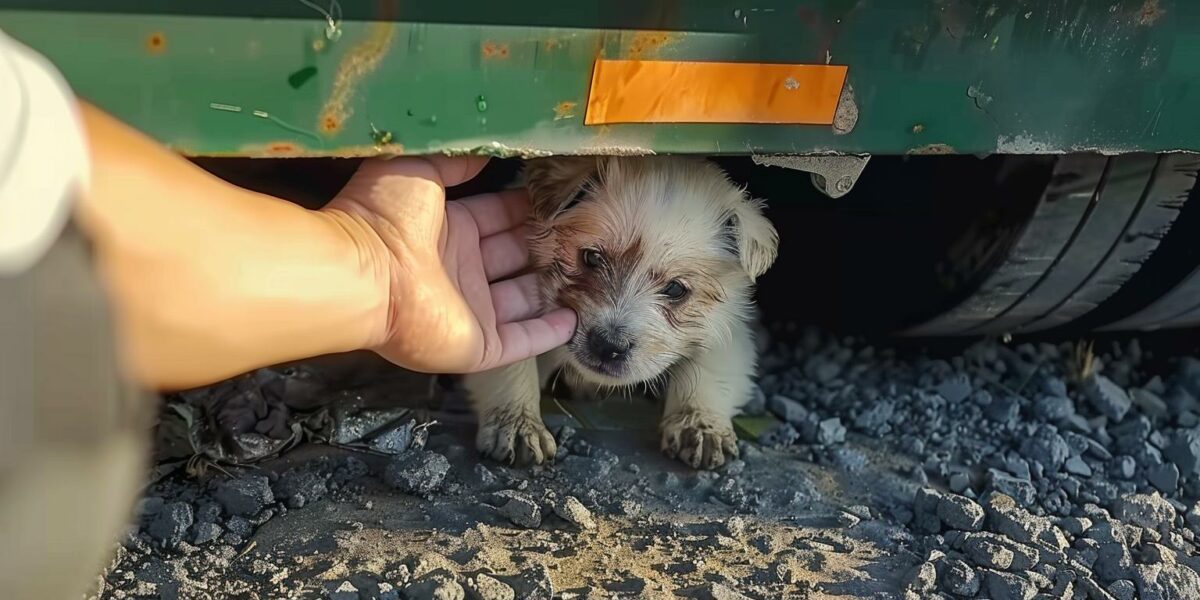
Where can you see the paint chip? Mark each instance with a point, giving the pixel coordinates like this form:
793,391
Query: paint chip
565,110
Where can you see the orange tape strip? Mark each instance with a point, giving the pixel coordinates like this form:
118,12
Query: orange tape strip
650,91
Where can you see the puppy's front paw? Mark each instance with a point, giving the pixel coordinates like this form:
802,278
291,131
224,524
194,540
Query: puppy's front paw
699,440
515,438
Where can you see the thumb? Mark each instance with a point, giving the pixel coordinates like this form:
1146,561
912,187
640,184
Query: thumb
447,171
456,170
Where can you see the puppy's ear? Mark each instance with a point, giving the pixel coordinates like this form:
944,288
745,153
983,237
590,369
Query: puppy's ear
559,182
755,237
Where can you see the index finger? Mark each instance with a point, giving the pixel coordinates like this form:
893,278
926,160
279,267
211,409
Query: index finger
499,211
529,338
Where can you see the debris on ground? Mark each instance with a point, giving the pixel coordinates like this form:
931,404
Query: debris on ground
999,471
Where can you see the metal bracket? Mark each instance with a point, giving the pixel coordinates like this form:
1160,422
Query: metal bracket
842,169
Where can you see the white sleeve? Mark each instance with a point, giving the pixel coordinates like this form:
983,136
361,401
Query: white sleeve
43,155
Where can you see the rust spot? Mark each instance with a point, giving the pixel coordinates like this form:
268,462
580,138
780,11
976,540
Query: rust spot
494,50
933,149
282,148
646,43
551,44
330,124
1150,13
565,110
156,43
290,150
360,61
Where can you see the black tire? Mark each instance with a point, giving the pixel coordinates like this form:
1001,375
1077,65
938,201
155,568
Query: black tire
1178,306
1098,220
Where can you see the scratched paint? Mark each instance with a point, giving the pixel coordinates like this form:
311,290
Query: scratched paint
359,62
565,110
931,149
846,115
1150,13
381,137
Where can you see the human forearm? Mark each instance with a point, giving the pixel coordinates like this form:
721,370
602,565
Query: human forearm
208,280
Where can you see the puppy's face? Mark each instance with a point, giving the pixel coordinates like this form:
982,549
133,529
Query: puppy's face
657,256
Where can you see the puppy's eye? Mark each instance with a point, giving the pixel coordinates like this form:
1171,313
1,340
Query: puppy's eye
674,290
591,258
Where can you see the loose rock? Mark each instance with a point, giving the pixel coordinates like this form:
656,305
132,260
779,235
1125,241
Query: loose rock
1122,589
922,578
787,409
245,496
1108,397
831,431
437,586
521,510
171,523
1151,511
958,578
344,591
418,472
1007,586
988,554
960,512
925,509
573,511
204,533
1184,451
1164,477
485,587
301,486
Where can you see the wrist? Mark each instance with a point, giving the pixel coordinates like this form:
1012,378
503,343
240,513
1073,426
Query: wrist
370,262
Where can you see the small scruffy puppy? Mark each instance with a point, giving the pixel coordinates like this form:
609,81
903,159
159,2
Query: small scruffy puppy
658,256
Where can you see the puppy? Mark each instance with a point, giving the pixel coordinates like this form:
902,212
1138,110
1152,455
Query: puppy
658,256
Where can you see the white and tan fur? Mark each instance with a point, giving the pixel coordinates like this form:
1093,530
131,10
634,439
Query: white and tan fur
642,223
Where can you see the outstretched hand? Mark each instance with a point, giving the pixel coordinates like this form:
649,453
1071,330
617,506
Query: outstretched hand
458,301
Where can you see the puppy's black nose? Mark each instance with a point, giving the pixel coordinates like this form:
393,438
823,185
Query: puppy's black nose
608,346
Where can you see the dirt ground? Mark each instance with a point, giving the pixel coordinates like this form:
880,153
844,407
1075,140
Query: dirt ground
992,471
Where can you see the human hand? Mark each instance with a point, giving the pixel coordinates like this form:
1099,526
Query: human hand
454,305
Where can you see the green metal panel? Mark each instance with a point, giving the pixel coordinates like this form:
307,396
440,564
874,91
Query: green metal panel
928,76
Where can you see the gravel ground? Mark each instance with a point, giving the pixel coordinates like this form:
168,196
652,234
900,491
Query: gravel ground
1004,471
